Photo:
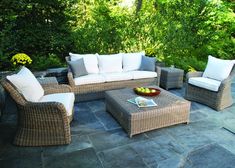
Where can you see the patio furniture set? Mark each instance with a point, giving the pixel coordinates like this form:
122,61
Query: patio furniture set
46,107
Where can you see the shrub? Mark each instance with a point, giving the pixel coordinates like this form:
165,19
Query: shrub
181,32
43,63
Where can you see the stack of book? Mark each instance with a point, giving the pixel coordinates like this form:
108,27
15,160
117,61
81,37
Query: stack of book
142,102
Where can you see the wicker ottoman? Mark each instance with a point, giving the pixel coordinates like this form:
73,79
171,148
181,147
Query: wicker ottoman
171,110
171,78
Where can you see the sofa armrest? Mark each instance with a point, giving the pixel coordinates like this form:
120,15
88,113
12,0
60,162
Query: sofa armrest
70,78
57,89
193,74
158,70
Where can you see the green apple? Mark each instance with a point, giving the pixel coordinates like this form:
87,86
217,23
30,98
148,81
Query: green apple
147,91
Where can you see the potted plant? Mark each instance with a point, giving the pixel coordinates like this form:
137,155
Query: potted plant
21,59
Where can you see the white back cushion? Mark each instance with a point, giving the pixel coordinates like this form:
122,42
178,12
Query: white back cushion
218,69
110,63
27,84
132,61
90,61
206,83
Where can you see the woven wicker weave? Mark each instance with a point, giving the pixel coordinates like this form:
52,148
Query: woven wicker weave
216,100
96,91
40,124
171,78
171,110
47,81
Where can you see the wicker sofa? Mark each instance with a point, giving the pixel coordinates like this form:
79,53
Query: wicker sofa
216,98
92,91
43,122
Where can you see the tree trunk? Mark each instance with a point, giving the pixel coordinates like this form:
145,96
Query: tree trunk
138,6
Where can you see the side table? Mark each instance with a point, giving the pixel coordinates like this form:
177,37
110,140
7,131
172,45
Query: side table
51,86
48,81
171,78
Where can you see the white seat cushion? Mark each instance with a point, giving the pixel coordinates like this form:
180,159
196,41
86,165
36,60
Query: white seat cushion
132,61
110,63
143,74
27,84
111,77
205,83
89,79
90,61
218,69
67,99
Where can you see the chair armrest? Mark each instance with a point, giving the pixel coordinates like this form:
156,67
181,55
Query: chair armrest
57,89
45,106
70,78
193,74
158,70
52,113
225,83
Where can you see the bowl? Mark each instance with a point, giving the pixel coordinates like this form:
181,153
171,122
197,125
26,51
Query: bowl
157,92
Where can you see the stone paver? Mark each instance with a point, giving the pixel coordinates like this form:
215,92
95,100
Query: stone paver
121,157
112,139
86,158
211,156
108,121
98,141
78,143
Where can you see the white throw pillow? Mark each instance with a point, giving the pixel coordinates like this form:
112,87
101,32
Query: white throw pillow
27,84
110,63
218,69
132,61
90,61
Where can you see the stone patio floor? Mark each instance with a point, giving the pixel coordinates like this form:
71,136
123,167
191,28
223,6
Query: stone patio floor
99,142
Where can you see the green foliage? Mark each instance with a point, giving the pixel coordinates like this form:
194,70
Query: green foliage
150,52
188,31
33,27
181,32
52,61
98,27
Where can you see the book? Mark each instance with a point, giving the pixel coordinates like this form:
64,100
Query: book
132,101
142,102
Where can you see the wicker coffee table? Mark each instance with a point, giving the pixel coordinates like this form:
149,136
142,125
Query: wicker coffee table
171,110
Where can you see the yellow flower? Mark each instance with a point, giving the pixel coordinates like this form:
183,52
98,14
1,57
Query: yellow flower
20,59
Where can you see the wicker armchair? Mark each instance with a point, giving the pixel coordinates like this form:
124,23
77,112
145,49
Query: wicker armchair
216,100
40,123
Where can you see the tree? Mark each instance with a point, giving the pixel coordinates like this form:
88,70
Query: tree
38,28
